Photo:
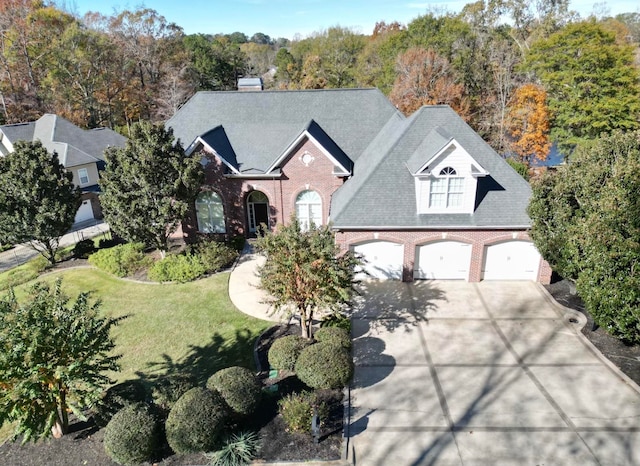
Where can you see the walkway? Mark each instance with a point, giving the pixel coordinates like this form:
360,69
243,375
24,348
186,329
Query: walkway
21,253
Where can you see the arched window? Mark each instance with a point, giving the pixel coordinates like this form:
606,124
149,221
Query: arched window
210,213
309,209
447,190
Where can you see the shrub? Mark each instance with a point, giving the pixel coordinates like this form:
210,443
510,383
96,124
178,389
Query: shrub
105,243
180,268
239,387
38,264
238,450
118,397
196,421
297,410
83,249
335,336
284,352
122,260
237,242
215,256
337,319
132,435
167,390
324,365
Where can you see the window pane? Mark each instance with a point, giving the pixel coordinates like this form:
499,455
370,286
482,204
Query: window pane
439,185
454,200
456,185
316,214
437,200
210,213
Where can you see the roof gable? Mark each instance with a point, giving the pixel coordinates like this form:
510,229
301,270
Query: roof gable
261,126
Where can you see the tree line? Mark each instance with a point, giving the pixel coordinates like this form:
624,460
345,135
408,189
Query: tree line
523,76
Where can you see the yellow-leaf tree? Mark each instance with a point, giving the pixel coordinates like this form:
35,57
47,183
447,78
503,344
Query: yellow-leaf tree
528,122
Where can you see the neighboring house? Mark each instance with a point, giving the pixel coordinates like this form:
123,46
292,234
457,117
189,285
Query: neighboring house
422,197
80,151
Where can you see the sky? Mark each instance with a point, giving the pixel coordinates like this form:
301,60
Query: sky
299,18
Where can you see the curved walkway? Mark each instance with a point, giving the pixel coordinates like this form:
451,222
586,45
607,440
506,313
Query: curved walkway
243,287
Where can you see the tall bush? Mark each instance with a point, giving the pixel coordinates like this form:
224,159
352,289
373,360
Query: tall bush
122,260
324,365
132,435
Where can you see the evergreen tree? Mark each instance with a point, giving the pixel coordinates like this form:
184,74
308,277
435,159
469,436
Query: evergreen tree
38,200
149,185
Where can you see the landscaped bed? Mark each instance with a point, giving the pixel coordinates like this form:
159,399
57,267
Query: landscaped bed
191,329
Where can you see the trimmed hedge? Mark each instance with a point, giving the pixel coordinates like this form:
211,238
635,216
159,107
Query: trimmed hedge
324,365
284,352
83,249
215,255
239,387
177,268
333,335
168,389
122,260
337,319
132,435
197,421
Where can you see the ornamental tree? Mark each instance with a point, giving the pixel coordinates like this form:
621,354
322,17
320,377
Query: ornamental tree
149,185
304,272
38,200
53,357
585,224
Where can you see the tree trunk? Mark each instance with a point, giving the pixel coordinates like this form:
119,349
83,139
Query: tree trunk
57,431
61,425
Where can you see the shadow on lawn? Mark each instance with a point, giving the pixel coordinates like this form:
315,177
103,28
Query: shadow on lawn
203,361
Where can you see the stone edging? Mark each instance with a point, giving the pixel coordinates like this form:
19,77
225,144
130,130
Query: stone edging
582,320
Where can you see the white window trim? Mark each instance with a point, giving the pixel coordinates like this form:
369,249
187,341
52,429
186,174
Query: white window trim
86,176
218,228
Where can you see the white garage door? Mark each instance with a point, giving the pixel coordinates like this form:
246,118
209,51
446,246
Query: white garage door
85,212
511,260
443,260
383,259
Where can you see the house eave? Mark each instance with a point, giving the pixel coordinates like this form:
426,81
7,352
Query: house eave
253,175
429,228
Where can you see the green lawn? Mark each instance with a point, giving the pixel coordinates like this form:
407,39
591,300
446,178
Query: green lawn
190,327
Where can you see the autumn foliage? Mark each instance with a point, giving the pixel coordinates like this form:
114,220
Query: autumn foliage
529,123
426,78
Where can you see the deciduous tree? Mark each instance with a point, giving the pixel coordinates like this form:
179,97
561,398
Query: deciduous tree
53,357
149,185
592,83
528,123
304,272
426,78
38,200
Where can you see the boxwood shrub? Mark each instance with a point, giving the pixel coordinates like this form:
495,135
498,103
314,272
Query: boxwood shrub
239,387
132,435
83,249
284,352
333,335
119,396
168,389
180,268
121,260
197,421
324,365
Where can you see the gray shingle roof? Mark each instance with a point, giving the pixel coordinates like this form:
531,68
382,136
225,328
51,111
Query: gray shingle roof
74,145
260,126
382,195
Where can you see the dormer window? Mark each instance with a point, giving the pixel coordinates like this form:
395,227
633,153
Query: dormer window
447,190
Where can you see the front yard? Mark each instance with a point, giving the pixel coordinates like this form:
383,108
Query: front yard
190,327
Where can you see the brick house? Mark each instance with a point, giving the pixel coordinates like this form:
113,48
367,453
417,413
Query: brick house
422,197
80,151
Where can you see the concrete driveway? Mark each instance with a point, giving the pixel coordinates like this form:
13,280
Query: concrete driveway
491,373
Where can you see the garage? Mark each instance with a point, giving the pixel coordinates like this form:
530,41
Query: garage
443,260
511,260
85,212
383,259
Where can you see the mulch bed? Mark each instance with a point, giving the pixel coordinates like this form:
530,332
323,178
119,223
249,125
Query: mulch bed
626,357
84,445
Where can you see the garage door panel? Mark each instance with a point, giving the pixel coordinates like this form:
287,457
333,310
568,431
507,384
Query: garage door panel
511,260
383,259
443,260
85,212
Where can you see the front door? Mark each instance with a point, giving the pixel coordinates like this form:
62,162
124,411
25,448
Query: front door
258,210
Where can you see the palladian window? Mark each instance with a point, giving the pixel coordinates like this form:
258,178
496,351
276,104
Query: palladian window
210,213
309,209
447,190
